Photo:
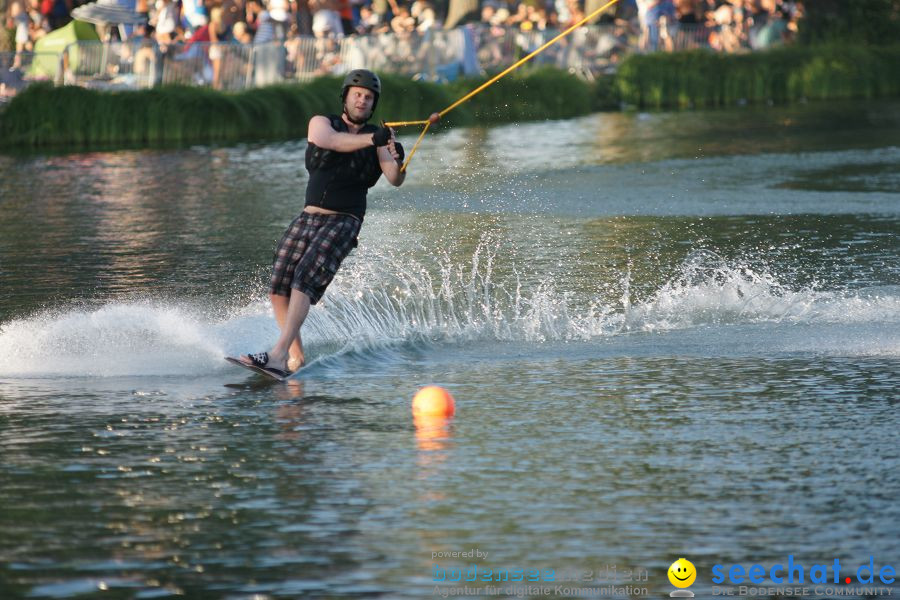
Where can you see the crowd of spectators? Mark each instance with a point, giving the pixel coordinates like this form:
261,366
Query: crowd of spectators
734,24
729,24
648,25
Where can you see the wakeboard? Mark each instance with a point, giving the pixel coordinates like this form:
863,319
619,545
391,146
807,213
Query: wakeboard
259,370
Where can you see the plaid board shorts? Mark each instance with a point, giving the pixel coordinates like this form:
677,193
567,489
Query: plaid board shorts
310,252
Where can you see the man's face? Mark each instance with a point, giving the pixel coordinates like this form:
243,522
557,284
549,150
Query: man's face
359,103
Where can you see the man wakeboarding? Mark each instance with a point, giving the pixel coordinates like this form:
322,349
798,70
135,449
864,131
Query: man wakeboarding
345,156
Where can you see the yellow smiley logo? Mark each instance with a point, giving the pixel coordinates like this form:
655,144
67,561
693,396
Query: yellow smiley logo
682,573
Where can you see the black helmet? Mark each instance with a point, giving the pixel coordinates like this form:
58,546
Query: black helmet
362,78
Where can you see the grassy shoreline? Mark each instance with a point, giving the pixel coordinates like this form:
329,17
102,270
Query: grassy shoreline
71,117
781,75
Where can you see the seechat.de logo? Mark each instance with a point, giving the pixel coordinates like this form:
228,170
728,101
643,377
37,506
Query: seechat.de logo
682,574
795,572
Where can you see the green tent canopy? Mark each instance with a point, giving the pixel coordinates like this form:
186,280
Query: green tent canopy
48,49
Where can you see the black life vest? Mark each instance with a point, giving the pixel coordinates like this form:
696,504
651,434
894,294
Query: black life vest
340,181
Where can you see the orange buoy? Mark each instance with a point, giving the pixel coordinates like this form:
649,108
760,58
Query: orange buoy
433,400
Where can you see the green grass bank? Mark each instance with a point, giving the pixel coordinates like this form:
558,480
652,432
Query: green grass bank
72,117
702,79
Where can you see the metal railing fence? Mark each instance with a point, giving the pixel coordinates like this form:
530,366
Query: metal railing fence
435,55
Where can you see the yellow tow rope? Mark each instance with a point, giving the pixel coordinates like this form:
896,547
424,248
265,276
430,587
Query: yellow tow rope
436,116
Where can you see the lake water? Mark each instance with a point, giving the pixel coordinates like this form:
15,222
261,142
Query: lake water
668,334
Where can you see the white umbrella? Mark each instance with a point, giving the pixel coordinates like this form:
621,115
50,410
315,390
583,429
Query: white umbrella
108,12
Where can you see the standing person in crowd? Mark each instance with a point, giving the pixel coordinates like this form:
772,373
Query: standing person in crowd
217,31
326,20
20,21
345,157
382,11
259,19
38,26
293,47
57,12
165,23
241,33
327,53
282,14
769,26
403,24
461,12
268,54
142,7
356,12
724,34
655,17
304,18
193,15
345,12
251,12
689,12
368,21
423,12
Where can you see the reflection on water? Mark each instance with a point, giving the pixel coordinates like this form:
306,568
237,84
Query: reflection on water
432,433
878,177
621,138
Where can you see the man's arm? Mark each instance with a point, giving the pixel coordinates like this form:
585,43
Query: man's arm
391,161
322,135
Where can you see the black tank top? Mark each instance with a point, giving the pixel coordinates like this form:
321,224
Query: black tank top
340,181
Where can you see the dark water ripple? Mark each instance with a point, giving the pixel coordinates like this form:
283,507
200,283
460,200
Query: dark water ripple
661,345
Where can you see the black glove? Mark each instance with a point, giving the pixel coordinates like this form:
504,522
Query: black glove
381,136
400,153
